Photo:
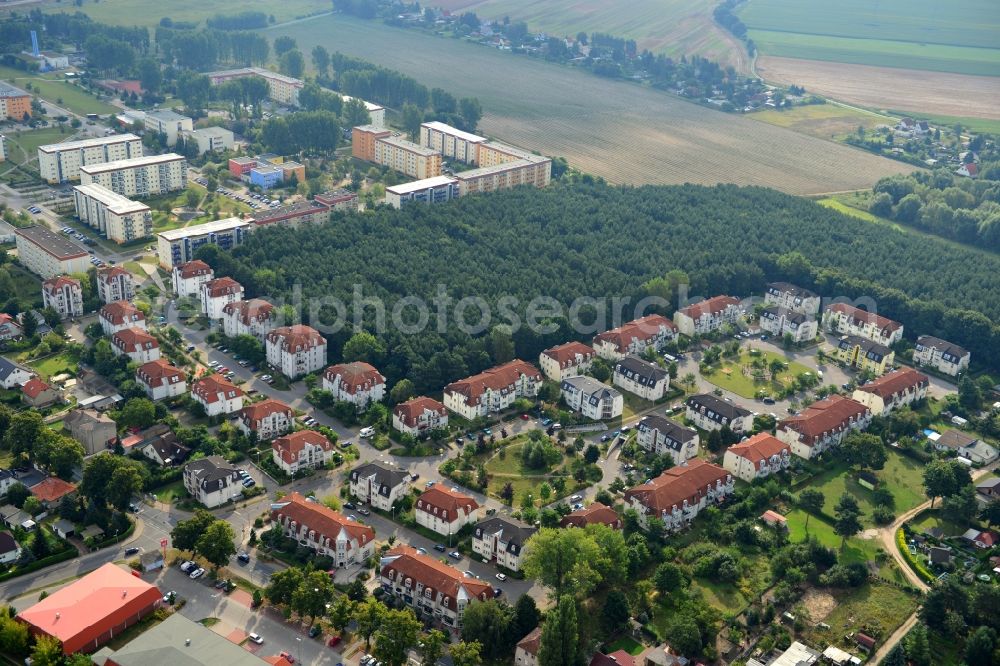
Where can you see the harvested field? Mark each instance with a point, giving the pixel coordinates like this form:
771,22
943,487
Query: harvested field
889,87
149,12
620,131
826,121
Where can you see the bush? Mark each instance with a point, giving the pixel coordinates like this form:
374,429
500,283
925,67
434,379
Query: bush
883,515
915,564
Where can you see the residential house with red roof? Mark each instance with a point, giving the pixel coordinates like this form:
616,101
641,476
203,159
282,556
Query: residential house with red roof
849,320
52,489
268,418
305,449
616,658
217,293
566,360
64,295
137,344
254,317
680,493
635,337
38,394
161,380
444,510
970,170
357,383
189,277
431,588
757,457
592,514
217,395
324,530
708,315
419,415
526,652
295,350
892,390
823,425
492,390
10,328
119,315
114,283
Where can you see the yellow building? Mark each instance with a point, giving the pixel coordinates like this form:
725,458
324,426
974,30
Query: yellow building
865,355
407,157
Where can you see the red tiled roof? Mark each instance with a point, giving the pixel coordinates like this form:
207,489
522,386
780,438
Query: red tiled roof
709,306
254,309
52,489
437,576
412,409
685,482
133,339
895,382
34,387
531,642
208,389
594,514
640,329
446,500
616,658
107,273
770,516
58,282
828,415
760,447
856,314
322,519
289,446
295,337
354,377
121,312
223,286
263,409
971,168
193,269
496,379
157,373
566,354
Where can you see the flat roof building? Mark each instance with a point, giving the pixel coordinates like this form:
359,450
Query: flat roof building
14,102
61,162
210,139
282,89
139,176
167,122
178,246
48,254
407,157
429,190
292,214
118,218
451,142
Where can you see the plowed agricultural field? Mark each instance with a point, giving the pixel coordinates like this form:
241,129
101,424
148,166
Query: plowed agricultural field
617,130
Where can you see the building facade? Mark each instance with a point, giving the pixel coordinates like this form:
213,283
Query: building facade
118,218
635,338
304,449
216,294
47,254
660,435
535,171
135,343
501,540
114,283
642,378
492,390
849,320
438,189
445,511
323,530
758,457
566,360
119,315
793,298
268,418
64,295
780,321
708,412
61,162
292,215
282,89
708,315
419,415
212,481
139,176
178,246
680,493
407,157
210,139
217,395
168,123
254,317
593,399
378,485
451,142
941,355
188,278
823,425
864,354
15,104
892,390
295,350
161,380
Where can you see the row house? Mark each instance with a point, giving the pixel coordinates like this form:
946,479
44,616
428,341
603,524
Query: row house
642,378
358,383
757,457
660,435
296,350
212,481
433,589
864,354
680,493
593,399
893,390
492,390
567,360
188,278
419,415
304,449
709,412
217,293
941,355
849,320
114,283
10,328
635,338
501,540
792,297
780,321
254,317
444,510
217,395
708,315
592,514
823,425
268,419
161,380
135,343
64,295
378,485
324,530
120,315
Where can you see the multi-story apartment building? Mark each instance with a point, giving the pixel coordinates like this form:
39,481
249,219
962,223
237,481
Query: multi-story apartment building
217,395
15,104
295,350
892,390
161,380
444,510
407,157
268,418
114,283
566,360
212,481
292,215
376,112
642,378
358,383
363,138
711,413
135,343
378,485
501,540
492,390
660,435
451,142
64,295
434,590
438,189
303,449
708,315
419,415
635,337
680,493
823,425
10,328
757,457
178,246
118,218
254,317
338,200
282,89
535,171
119,315
791,297
864,354
593,399
47,254
61,162
210,139
592,514
324,530
849,320
139,176
780,321
3,148
188,278
216,294
168,123
941,355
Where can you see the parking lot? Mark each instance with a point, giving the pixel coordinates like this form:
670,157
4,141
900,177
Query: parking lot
255,201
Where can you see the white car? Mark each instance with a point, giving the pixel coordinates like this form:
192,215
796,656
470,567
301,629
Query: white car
197,573
256,638
367,432
187,566
501,577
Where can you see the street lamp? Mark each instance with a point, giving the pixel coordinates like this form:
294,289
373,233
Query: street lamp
298,648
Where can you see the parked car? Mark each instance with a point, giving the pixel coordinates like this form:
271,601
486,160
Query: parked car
315,631
414,476
169,597
349,505
187,566
501,577
256,638
243,557
455,555
469,574
131,551
497,592
197,573
768,401
367,432
440,547
576,498
364,511
334,641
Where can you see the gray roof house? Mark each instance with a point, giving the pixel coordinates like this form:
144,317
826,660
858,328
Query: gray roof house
13,374
91,428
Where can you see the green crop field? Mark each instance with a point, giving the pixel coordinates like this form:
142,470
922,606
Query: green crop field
149,12
53,88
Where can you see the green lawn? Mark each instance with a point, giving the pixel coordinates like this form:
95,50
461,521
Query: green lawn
54,365
931,518
54,87
875,609
524,480
23,146
856,550
729,375
171,493
627,643
149,12
723,596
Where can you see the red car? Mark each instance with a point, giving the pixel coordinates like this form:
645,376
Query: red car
288,657
525,417
334,641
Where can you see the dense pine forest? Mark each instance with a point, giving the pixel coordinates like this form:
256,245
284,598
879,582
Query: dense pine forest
591,239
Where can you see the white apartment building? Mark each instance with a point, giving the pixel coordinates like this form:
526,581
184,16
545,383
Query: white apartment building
566,360
254,317
295,350
48,254
780,321
114,283
188,278
217,395
61,162
135,343
451,142
161,380
709,412
64,295
217,293
680,493
849,320
178,246
593,399
791,297
139,176
358,383
169,123
660,435
379,486
492,390
210,139
444,510
438,189
892,390
419,415
407,157
635,337
324,530
941,355
118,218
376,112
501,540
646,380
760,456
282,89
823,425
268,418
304,449
212,481
119,315
708,315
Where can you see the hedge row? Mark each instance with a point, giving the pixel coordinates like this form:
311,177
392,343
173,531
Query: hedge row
67,554
916,565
